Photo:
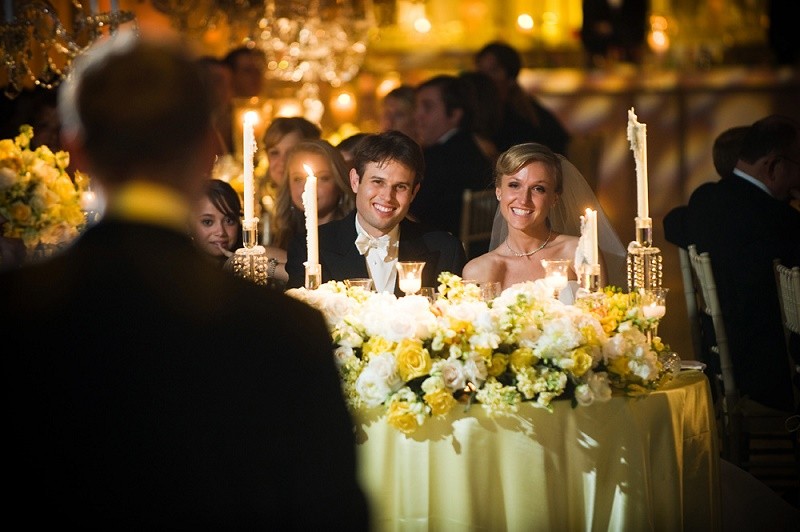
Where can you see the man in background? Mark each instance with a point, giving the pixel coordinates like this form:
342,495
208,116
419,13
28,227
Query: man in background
744,222
525,119
146,388
453,160
247,68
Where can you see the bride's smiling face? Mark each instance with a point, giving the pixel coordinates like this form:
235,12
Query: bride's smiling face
527,196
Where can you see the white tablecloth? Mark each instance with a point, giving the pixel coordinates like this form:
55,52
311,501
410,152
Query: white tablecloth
648,463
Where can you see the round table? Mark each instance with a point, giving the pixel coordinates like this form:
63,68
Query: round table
643,463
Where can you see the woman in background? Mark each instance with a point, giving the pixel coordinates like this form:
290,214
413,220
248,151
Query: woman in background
280,137
335,198
216,221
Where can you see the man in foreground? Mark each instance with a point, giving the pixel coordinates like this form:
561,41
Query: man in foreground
146,388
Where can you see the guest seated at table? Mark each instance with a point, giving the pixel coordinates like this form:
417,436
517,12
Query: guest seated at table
388,171
724,154
541,197
334,197
281,136
215,222
140,393
348,146
750,211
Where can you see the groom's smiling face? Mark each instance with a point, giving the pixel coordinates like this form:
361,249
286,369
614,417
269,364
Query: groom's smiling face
383,195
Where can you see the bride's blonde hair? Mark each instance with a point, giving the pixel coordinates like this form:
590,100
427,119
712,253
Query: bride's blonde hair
516,157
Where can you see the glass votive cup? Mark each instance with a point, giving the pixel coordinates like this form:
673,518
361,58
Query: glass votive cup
556,273
361,282
429,292
409,276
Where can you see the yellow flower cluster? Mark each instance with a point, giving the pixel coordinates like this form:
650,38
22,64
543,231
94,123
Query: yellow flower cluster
39,202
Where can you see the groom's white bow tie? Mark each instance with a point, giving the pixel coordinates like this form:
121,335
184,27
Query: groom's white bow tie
364,242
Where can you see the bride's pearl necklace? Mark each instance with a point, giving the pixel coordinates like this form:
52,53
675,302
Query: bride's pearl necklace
529,253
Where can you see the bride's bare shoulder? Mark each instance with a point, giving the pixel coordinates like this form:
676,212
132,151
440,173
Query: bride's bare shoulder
483,267
566,243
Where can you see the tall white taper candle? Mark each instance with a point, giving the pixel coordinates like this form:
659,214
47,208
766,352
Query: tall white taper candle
592,255
248,151
637,136
310,208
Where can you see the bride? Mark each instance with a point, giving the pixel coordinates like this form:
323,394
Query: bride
541,196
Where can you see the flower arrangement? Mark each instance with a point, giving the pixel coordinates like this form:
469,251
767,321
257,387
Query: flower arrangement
38,200
419,359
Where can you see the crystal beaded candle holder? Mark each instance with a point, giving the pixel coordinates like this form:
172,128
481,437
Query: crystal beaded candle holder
644,267
250,262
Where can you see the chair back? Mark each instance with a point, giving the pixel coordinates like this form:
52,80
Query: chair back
691,292
701,264
477,215
789,291
729,407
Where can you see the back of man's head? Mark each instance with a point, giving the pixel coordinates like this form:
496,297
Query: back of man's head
137,108
726,149
382,148
774,134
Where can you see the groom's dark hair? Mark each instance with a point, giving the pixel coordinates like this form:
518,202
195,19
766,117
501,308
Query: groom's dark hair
390,146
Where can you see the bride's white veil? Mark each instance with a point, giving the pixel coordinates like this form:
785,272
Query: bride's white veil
575,198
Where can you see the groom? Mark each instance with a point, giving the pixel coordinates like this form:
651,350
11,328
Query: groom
387,174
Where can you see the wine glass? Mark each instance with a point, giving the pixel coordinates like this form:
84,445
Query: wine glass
409,276
556,273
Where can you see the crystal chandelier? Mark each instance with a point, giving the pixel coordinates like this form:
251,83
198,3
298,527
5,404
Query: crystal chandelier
304,41
37,48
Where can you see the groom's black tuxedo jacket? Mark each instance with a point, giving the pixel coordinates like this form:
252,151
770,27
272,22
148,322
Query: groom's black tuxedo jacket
340,259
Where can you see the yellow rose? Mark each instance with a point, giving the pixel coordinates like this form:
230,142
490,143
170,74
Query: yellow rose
619,365
440,401
498,365
20,213
522,357
376,345
412,359
582,360
401,417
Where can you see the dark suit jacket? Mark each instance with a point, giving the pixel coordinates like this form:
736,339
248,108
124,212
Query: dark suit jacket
450,168
146,388
744,229
340,260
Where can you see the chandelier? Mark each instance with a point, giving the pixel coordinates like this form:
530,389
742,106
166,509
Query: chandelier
38,48
309,41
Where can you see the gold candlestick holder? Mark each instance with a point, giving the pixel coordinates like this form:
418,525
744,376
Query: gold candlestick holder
313,276
589,277
644,259
250,262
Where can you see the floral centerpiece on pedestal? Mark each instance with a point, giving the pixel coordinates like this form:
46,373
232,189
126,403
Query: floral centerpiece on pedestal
419,359
39,202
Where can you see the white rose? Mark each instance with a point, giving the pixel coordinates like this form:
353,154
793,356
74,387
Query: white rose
372,388
453,375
